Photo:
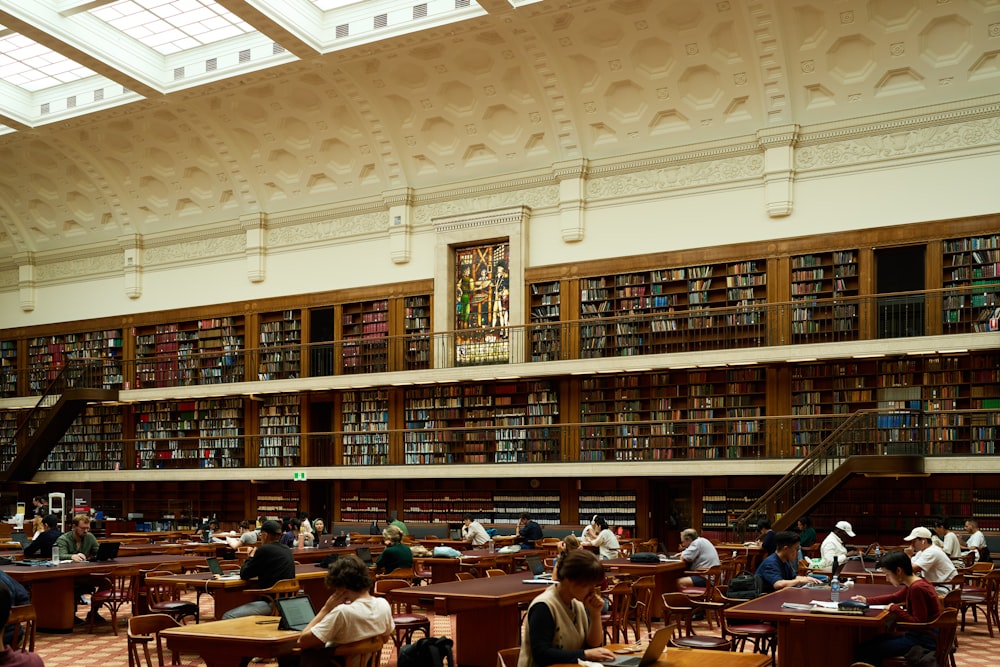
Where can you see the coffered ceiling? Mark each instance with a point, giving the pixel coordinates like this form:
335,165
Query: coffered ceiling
149,117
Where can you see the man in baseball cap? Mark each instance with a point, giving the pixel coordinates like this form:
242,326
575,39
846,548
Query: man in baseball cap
270,563
929,561
833,549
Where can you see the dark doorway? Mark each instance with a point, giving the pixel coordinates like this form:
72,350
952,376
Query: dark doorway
320,331
900,270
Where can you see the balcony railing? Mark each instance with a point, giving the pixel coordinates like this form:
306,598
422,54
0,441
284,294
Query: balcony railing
692,329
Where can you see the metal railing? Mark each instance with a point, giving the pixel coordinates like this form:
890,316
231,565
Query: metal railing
651,331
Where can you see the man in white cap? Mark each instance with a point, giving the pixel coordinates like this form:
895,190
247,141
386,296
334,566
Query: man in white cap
929,561
833,548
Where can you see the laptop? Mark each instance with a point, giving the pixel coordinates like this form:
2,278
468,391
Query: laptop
365,554
216,569
657,645
340,541
327,541
295,612
107,551
536,567
20,538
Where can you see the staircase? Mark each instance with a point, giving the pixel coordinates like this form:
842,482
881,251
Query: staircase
870,442
78,383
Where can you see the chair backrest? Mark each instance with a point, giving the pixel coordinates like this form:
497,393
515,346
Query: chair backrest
953,600
383,586
362,653
679,610
508,657
947,626
143,630
463,576
285,588
495,572
123,580
404,573
23,618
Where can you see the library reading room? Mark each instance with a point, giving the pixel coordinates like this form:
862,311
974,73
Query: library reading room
444,310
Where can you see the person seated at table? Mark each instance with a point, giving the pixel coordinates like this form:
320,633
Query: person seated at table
350,614
394,520
40,506
929,561
765,539
78,543
269,563
945,540
8,656
319,529
699,554
778,570
395,555
41,546
528,531
589,532
290,537
473,532
563,624
807,534
566,545
833,548
606,541
247,536
18,595
977,540
920,604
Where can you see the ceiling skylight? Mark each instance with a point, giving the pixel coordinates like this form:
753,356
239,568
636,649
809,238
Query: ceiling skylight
29,65
170,26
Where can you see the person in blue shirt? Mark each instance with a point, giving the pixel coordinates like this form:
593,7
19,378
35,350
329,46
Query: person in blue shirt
528,531
18,596
41,546
779,570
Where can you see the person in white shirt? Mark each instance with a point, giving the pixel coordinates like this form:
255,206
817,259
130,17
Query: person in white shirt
473,532
976,538
946,540
606,542
929,561
833,549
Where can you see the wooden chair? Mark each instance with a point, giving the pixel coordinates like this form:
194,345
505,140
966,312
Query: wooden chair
986,601
763,635
144,630
495,572
363,653
625,549
946,625
616,618
286,588
679,609
643,590
508,657
405,621
649,546
404,573
117,588
464,576
23,618
163,599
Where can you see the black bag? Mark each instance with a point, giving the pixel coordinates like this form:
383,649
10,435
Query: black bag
426,652
644,557
744,586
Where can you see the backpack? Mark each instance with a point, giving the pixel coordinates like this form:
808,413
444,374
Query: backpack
426,652
744,586
645,557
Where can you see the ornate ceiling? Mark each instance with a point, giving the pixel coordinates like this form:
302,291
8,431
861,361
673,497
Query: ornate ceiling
511,91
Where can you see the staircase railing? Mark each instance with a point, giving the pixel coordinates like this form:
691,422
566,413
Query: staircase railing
865,433
74,374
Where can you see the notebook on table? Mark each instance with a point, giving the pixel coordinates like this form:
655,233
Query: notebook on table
107,551
657,645
295,612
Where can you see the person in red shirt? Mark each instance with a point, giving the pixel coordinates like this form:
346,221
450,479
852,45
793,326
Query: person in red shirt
920,604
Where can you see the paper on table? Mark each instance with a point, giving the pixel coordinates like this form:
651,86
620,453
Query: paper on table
826,604
588,663
878,606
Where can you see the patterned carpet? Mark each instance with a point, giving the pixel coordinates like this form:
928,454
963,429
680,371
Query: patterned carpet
104,649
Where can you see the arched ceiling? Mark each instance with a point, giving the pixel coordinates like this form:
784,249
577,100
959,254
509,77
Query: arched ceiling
476,90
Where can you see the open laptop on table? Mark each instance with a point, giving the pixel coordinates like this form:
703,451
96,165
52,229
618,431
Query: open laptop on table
107,551
326,541
295,612
365,554
21,538
536,567
217,571
657,645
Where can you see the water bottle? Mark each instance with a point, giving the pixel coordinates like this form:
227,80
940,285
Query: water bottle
347,540
491,546
878,553
834,589
55,554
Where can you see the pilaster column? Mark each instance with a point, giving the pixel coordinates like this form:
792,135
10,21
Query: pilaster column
255,227
778,144
572,175
400,204
132,264
26,280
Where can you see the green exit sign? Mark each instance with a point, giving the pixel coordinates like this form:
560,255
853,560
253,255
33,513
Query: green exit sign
298,477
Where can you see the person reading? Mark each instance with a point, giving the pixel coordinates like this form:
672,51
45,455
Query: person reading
699,554
915,602
473,532
778,570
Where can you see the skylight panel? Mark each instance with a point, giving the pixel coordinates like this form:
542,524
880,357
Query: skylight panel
327,5
32,66
170,26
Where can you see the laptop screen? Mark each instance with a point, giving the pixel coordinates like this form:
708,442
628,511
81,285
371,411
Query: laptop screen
20,538
365,554
107,551
295,612
534,564
213,565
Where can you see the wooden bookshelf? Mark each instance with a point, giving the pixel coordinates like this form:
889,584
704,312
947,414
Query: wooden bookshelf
984,394
206,351
544,315
8,368
280,337
277,505
945,388
190,434
8,428
417,329
280,423
543,506
365,419
970,261
720,508
501,422
220,344
617,507
94,441
447,506
825,276
365,335
48,354
363,506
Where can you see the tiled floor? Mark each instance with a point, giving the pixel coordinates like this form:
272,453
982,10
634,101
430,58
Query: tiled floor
104,649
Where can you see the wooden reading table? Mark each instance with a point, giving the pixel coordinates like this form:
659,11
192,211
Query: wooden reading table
52,585
686,657
486,615
811,638
664,573
227,643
